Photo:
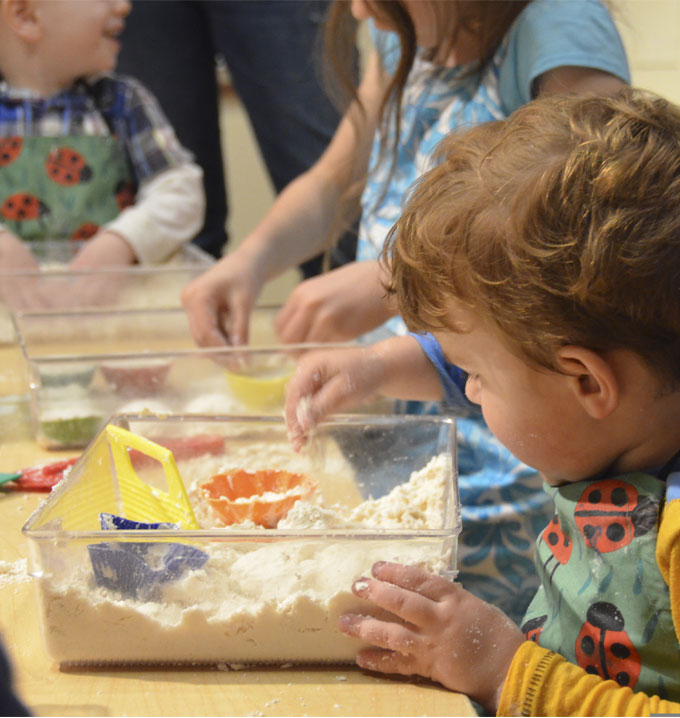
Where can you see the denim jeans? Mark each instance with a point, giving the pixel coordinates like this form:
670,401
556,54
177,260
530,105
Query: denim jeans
272,50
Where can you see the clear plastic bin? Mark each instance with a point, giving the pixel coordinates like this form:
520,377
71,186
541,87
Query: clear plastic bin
87,332
54,287
385,489
84,366
71,397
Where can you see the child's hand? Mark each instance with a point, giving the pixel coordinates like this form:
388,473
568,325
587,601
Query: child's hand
321,309
326,381
444,632
105,249
20,293
15,254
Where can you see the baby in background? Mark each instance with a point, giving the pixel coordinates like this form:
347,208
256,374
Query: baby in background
541,254
84,153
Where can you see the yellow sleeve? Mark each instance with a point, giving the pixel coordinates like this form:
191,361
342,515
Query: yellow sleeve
543,683
668,556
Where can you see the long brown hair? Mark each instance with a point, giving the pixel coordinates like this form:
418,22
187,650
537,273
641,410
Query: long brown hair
487,20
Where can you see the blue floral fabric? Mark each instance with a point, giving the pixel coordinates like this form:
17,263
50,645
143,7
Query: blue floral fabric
503,505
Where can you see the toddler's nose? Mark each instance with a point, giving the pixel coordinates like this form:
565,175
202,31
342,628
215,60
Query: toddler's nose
122,7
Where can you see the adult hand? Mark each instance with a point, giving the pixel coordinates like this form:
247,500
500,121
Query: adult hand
335,306
444,632
326,381
219,302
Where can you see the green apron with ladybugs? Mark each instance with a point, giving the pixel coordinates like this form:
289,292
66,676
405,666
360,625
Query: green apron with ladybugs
62,187
603,603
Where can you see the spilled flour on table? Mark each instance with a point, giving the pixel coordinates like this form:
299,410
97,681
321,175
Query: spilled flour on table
14,572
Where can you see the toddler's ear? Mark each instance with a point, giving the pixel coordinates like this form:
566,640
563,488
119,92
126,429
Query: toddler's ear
593,380
22,18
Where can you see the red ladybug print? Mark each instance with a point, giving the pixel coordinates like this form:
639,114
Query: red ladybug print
611,513
10,149
604,649
67,167
558,542
125,194
533,627
22,206
85,231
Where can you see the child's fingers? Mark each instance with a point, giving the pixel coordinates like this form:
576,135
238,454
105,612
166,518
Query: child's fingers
298,407
384,634
407,605
375,659
235,322
205,324
414,578
292,324
307,379
292,328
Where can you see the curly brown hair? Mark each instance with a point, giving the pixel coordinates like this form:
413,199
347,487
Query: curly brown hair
560,225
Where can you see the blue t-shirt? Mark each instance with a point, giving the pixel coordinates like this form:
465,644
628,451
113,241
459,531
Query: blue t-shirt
452,378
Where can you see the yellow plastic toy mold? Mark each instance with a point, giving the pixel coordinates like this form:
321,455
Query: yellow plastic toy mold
140,501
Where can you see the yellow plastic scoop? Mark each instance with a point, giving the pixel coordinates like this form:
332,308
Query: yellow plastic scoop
140,500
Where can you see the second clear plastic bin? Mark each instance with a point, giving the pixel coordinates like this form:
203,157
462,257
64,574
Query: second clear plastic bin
85,366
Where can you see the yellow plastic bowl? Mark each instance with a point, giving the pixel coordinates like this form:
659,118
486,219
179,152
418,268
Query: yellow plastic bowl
260,391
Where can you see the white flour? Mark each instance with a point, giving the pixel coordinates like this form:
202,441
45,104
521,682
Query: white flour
13,572
254,600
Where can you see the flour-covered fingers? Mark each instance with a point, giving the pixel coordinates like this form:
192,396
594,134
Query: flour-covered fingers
323,383
406,604
300,396
377,659
384,634
415,578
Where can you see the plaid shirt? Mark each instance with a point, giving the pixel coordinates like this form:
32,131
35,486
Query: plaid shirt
106,105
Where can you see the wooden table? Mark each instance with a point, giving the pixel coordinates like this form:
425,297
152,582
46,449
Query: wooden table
48,691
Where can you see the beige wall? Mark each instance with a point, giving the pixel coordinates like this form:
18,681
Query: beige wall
651,33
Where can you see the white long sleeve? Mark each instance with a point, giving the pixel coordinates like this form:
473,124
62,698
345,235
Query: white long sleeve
169,210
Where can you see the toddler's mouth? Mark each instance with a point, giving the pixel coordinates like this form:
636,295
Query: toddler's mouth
113,32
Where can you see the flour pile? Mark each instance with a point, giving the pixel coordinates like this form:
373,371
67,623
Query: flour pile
255,600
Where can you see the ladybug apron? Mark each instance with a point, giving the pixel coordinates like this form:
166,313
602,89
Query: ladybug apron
62,187
603,603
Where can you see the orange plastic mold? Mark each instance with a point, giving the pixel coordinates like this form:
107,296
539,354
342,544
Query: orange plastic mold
263,497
